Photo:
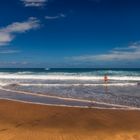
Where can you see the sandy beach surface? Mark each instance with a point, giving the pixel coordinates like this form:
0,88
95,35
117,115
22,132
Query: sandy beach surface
22,121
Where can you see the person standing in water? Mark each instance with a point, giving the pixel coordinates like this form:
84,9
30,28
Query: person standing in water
106,82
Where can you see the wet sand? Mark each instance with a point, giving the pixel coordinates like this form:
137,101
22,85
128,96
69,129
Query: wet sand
20,121
38,98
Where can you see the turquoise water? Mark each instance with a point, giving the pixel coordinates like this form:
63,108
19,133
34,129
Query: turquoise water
95,71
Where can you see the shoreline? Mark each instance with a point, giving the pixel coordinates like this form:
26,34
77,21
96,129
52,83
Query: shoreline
86,103
80,107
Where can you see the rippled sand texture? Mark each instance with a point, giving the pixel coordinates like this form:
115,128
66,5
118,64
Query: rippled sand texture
20,121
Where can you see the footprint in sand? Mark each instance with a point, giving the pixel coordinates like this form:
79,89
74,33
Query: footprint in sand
19,124
34,123
5,129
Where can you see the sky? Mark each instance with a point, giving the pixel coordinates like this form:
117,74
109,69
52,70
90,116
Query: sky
70,33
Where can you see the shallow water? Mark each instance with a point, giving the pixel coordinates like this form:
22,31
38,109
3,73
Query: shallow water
122,89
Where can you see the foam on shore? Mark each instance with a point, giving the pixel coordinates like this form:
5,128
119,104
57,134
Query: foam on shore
113,106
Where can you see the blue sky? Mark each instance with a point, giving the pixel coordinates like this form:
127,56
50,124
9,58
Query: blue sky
70,33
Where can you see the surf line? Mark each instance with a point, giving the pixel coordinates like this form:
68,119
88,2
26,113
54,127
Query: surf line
55,105
109,84
68,99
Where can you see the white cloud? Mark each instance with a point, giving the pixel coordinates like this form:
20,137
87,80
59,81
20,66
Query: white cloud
8,33
5,38
13,63
130,53
34,3
9,51
55,17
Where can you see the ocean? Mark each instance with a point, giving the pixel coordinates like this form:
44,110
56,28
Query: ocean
122,88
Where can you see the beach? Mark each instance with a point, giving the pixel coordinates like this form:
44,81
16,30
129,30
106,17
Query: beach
69,104
75,84
70,70
25,121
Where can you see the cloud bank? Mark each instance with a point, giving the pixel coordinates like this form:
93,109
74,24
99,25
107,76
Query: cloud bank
55,17
130,53
34,3
9,51
8,33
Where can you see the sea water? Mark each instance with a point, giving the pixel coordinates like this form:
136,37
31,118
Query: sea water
122,88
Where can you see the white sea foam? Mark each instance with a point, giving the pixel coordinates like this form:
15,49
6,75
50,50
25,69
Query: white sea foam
95,107
69,99
69,85
67,77
47,69
82,85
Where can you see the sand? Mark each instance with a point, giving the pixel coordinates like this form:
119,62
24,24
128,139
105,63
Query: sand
20,121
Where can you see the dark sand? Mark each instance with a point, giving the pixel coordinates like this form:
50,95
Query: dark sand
20,121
